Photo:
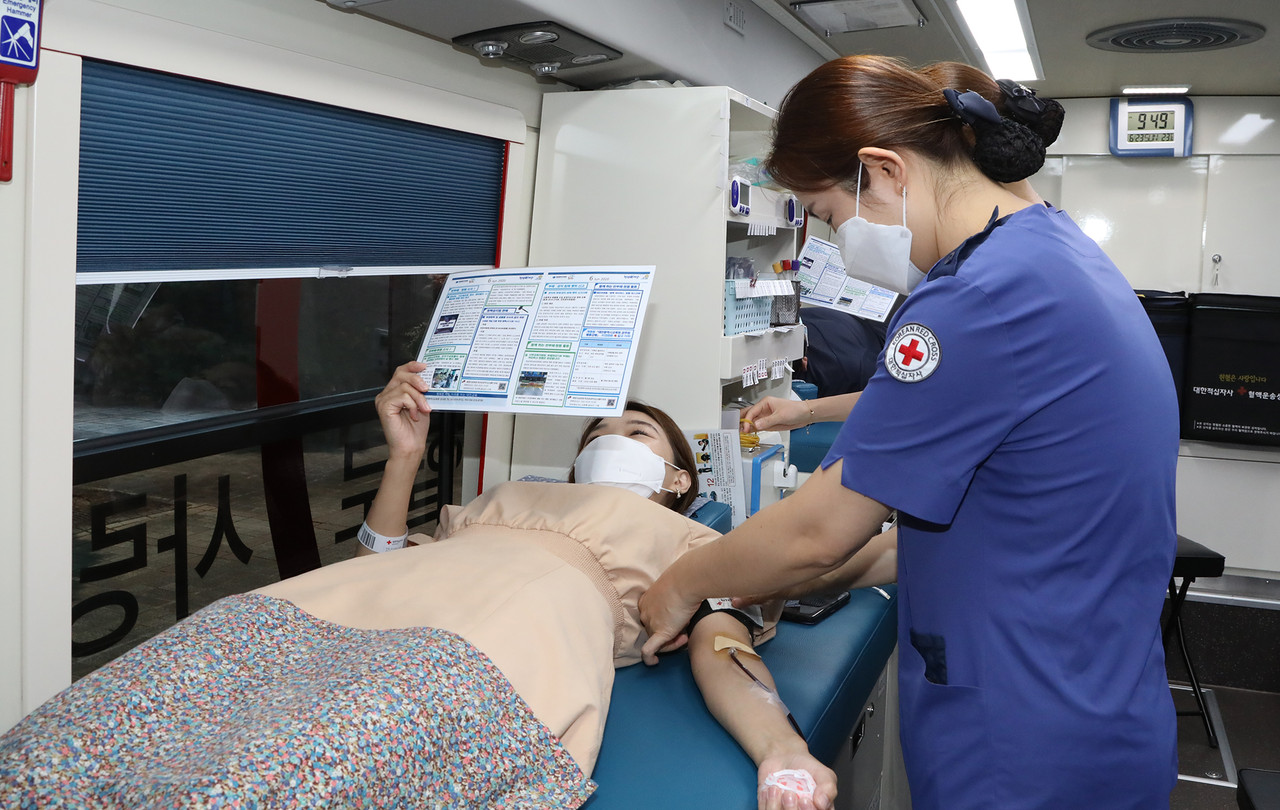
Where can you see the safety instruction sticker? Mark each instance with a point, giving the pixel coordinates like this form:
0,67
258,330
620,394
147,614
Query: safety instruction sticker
19,32
913,353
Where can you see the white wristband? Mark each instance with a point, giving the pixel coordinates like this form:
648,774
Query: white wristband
377,542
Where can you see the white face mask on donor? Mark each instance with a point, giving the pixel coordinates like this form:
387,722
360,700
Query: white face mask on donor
878,254
621,462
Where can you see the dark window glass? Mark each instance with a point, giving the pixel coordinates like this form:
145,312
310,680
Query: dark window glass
152,547
159,353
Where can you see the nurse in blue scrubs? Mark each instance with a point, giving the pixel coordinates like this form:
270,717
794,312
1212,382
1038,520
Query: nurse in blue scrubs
1022,422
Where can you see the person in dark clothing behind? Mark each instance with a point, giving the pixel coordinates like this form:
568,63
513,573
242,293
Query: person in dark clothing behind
841,350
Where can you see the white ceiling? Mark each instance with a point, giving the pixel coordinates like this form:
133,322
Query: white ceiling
1072,68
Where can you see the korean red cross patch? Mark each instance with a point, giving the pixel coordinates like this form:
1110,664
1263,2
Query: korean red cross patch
913,353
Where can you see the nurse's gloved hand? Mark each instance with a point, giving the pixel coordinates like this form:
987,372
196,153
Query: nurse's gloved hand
776,413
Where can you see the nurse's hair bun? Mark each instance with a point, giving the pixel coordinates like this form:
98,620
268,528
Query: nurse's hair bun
1004,149
1043,116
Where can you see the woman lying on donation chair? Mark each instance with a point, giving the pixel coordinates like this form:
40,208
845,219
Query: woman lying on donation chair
470,671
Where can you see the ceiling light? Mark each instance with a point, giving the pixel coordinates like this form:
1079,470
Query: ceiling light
351,5
490,48
1001,31
543,47
844,16
1157,90
538,37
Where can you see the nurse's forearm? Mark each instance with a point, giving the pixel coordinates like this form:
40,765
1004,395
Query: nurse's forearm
833,409
876,563
813,532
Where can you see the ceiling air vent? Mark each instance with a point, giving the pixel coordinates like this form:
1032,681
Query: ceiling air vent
1175,35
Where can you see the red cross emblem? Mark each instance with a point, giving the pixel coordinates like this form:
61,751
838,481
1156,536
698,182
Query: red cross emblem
911,352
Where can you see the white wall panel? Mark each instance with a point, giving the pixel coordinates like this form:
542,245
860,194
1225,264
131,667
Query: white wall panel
1241,227
1231,506
44,434
1222,125
13,215
1148,215
1048,181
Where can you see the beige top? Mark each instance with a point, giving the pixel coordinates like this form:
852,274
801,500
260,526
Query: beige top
544,579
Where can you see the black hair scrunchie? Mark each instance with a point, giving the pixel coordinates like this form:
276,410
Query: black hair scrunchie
1004,149
1043,115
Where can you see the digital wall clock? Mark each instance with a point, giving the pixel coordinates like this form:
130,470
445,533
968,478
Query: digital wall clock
1150,127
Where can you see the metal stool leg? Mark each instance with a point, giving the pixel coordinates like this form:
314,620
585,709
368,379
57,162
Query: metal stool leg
1177,597
1195,688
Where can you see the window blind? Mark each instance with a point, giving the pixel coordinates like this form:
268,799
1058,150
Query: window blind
181,174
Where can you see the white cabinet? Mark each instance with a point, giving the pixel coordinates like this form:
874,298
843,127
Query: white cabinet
1240,227
641,177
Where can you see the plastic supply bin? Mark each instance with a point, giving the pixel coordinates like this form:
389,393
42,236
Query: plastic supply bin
745,314
1232,389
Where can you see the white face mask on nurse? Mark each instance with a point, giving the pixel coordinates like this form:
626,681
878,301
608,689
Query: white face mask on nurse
874,253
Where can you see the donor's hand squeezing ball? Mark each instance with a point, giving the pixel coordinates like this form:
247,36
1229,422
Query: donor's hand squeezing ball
794,788
798,782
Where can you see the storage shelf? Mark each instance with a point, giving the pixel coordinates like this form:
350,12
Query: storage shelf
738,351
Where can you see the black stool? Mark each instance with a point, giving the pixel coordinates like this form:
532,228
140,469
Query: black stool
1193,560
1258,790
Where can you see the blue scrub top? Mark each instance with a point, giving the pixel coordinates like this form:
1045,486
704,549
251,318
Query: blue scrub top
1023,422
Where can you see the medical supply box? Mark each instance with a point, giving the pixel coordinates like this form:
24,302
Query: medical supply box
1232,388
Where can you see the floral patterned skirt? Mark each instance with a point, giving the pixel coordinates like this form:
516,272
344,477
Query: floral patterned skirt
252,703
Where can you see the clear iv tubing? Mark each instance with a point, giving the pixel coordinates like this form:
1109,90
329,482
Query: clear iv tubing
773,696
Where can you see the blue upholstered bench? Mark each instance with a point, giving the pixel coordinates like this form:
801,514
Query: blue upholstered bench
662,748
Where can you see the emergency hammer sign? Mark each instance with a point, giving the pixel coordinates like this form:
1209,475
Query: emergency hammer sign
19,60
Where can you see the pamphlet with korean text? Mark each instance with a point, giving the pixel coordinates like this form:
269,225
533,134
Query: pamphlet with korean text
536,340
824,283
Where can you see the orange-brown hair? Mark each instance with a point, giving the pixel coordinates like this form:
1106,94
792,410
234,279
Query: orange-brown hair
858,101
675,437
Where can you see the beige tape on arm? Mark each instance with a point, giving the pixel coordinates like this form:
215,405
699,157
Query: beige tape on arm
724,643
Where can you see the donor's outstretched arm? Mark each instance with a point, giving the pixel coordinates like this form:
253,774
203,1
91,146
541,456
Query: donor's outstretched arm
740,693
